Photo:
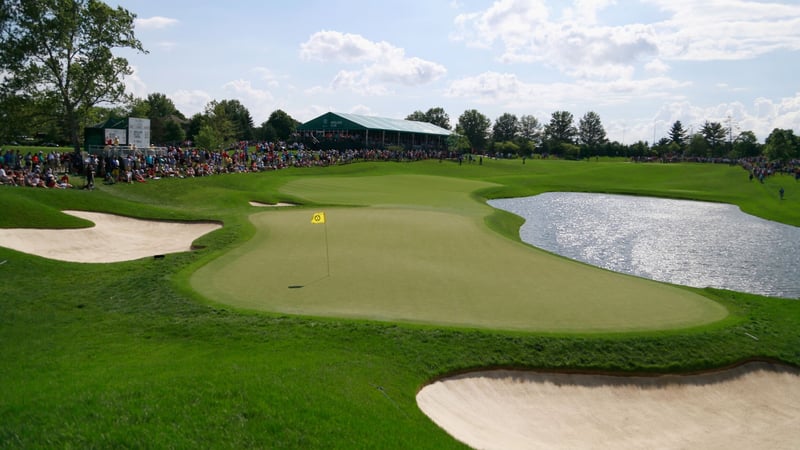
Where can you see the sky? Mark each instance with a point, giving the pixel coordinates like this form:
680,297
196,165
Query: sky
640,65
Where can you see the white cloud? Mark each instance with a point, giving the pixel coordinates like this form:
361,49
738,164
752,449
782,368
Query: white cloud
191,102
382,64
508,90
134,84
726,29
167,46
259,102
577,45
155,23
761,117
657,66
268,76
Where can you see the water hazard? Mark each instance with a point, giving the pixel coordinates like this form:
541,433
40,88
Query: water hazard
683,242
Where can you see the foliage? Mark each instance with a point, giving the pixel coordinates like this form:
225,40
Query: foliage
591,132
677,134
283,124
530,129
698,146
746,145
436,116
714,135
61,51
782,145
475,127
506,128
238,116
560,129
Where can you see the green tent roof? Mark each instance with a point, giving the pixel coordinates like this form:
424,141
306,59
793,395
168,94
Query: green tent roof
343,121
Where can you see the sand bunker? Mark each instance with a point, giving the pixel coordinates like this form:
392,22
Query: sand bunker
112,239
270,204
755,405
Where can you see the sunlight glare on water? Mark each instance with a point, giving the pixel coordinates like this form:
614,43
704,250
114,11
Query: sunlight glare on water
683,242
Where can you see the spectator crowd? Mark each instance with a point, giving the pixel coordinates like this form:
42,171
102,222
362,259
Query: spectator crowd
41,169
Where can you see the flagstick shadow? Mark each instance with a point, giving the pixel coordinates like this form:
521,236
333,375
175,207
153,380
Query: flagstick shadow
299,286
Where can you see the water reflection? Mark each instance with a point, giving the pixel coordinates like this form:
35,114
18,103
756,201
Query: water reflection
683,242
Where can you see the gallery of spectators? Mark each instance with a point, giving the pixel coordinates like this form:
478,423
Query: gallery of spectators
352,131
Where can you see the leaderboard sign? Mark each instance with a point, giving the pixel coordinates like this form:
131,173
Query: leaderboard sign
136,135
139,132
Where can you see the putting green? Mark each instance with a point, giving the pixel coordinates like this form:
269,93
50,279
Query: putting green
424,263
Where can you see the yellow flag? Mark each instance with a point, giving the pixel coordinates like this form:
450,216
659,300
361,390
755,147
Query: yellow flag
318,217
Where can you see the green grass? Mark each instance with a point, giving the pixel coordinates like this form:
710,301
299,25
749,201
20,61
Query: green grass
421,253
129,355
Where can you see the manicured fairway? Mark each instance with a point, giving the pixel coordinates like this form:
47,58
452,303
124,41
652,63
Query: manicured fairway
426,256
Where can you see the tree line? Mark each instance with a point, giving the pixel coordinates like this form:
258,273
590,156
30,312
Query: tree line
58,72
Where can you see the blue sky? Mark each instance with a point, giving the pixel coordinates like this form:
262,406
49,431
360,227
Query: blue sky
641,65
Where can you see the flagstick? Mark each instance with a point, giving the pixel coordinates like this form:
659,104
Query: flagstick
327,254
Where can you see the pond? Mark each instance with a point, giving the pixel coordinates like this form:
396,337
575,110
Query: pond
690,243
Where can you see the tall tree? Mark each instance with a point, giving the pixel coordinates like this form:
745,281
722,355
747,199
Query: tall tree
506,128
61,50
560,129
417,116
475,126
677,133
239,117
698,146
438,117
781,145
216,129
163,116
283,124
746,145
591,132
714,134
530,129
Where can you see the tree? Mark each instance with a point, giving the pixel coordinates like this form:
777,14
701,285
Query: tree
436,116
746,145
475,126
417,116
240,118
506,128
209,138
164,117
591,132
677,134
781,145
216,128
530,129
714,134
560,129
173,132
282,123
60,51
698,146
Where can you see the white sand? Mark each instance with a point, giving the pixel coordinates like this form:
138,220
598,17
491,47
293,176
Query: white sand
112,239
754,406
270,204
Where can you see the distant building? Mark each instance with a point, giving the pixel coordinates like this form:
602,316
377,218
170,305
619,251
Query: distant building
342,131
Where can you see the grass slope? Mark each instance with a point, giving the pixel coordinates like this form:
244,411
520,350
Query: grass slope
124,355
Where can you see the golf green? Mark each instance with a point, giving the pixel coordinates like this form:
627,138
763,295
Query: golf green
428,258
